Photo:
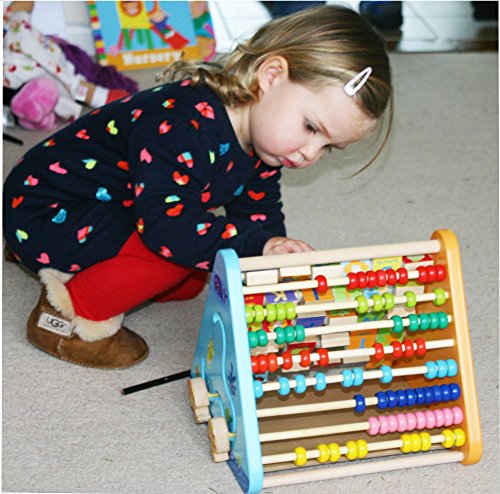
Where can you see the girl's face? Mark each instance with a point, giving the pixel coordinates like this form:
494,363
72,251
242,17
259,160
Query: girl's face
293,126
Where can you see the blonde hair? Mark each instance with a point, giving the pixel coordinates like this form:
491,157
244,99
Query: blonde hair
322,45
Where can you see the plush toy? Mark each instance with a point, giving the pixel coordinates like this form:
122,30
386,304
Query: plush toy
34,104
51,78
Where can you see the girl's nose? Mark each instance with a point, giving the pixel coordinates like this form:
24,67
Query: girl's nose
310,151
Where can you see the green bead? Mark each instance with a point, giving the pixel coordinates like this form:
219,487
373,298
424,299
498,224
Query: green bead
389,300
291,310
290,334
249,313
280,335
280,312
414,322
398,324
443,320
253,339
300,333
378,302
362,304
263,339
411,299
271,313
440,296
259,313
434,320
425,322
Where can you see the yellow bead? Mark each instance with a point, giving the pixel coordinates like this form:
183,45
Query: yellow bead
425,439
352,450
459,437
416,442
301,456
362,448
334,452
449,438
324,453
406,446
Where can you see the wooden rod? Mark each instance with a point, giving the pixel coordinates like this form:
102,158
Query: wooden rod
339,255
313,454
362,468
305,284
344,328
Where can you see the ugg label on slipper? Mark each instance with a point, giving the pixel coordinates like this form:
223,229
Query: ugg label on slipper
55,324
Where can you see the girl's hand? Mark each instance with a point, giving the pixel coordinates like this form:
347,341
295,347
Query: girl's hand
284,245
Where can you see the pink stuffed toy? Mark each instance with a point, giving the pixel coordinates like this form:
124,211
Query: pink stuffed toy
34,104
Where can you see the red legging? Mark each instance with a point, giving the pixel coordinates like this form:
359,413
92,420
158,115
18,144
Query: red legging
135,275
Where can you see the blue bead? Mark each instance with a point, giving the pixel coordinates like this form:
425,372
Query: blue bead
386,374
432,370
320,381
358,376
258,389
412,397
438,396
445,393
301,385
420,396
452,368
402,398
284,386
382,400
348,378
442,368
360,403
455,391
429,395
392,398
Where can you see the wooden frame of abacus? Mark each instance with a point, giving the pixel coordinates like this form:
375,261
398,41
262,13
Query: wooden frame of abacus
407,400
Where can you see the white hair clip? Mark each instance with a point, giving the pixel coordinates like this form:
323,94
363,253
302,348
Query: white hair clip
357,82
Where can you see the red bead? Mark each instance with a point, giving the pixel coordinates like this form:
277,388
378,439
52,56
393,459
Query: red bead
379,351
372,279
322,284
323,356
263,363
272,360
421,348
392,278
255,364
353,281
287,360
409,350
402,276
362,280
431,274
441,272
398,349
422,274
382,277
305,358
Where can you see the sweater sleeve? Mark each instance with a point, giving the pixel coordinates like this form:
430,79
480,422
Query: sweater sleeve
260,202
171,167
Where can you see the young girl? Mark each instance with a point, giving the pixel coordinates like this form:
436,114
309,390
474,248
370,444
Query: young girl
117,208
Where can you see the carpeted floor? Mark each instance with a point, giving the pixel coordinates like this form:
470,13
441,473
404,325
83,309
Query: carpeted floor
68,428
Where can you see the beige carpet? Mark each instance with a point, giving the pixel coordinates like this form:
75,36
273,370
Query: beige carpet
68,429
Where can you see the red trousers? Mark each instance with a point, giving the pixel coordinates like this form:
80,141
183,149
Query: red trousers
134,276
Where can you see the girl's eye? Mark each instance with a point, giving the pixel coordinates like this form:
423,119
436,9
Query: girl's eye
311,128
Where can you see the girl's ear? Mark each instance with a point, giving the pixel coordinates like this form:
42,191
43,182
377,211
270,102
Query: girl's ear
271,71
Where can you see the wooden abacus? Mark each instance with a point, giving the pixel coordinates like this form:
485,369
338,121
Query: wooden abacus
329,357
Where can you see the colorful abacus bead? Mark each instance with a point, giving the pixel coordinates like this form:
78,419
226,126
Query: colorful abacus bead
322,284
301,456
323,356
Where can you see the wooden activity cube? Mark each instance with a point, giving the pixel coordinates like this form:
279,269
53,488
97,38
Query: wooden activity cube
329,357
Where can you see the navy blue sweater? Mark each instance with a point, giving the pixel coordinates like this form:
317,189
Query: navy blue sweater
160,161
